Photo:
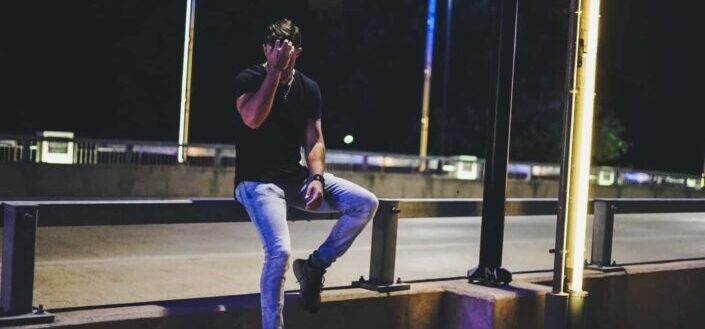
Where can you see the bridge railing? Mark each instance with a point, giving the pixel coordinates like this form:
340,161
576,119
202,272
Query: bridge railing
21,218
603,221
87,151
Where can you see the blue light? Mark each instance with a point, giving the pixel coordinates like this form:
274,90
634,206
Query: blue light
430,32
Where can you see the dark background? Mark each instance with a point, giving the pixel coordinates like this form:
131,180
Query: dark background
112,69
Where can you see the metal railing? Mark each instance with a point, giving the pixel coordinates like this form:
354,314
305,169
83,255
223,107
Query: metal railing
84,151
603,221
21,218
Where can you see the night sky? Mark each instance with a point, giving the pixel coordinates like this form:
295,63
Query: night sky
112,69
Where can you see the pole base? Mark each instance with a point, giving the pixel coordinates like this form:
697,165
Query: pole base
556,311
369,285
605,268
25,319
490,276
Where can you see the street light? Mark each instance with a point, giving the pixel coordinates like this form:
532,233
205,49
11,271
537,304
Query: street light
428,64
564,306
186,80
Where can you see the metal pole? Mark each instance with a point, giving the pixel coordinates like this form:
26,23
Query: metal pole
602,233
489,270
571,64
446,78
186,79
568,278
702,177
384,243
428,63
17,285
384,250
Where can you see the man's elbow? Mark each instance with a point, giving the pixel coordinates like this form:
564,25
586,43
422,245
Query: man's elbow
249,121
252,124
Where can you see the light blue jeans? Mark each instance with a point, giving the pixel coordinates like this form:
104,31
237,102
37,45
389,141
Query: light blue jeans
266,204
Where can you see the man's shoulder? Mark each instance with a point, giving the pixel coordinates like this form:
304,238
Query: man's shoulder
256,70
307,81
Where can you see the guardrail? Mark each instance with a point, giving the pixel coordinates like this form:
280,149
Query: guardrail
603,221
86,151
21,219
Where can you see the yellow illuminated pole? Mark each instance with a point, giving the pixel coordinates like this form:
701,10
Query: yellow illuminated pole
186,80
702,177
428,61
581,140
565,305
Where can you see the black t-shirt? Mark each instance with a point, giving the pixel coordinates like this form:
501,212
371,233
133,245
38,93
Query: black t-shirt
271,153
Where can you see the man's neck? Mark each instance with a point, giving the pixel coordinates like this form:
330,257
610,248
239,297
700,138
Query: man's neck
287,76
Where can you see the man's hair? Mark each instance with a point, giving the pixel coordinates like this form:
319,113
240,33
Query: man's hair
283,29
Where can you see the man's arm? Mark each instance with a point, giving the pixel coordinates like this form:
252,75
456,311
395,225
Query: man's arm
255,107
315,147
315,159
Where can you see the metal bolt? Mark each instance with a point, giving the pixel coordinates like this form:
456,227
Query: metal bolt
28,216
396,210
614,263
362,278
399,281
40,309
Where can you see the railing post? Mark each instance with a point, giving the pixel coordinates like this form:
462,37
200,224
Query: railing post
17,286
26,150
129,154
384,249
602,233
218,157
384,243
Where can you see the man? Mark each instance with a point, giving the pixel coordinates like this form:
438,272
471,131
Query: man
279,111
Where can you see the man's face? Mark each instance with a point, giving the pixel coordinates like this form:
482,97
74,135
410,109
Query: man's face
268,47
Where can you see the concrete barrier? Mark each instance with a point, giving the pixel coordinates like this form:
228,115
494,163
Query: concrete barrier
125,181
667,295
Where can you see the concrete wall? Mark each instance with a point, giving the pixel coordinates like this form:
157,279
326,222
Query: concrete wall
660,296
102,181
86,181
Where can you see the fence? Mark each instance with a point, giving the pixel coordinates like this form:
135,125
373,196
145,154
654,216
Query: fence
22,218
603,221
84,151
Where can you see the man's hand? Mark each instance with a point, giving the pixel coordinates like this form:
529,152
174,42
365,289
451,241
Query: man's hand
280,55
314,195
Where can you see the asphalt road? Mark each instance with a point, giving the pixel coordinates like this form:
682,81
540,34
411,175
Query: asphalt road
79,266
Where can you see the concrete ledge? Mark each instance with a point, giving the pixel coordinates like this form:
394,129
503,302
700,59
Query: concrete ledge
454,304
666,295
649,296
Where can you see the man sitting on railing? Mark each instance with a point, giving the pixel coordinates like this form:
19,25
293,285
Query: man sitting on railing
279,111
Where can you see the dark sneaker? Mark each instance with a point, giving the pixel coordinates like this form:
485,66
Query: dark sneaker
310,280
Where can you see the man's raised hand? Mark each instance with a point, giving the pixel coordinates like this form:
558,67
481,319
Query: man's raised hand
280,55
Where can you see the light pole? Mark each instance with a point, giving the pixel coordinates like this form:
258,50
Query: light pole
186,80
446,78
428,63
564,306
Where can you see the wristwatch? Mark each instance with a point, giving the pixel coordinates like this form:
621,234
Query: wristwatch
319,178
